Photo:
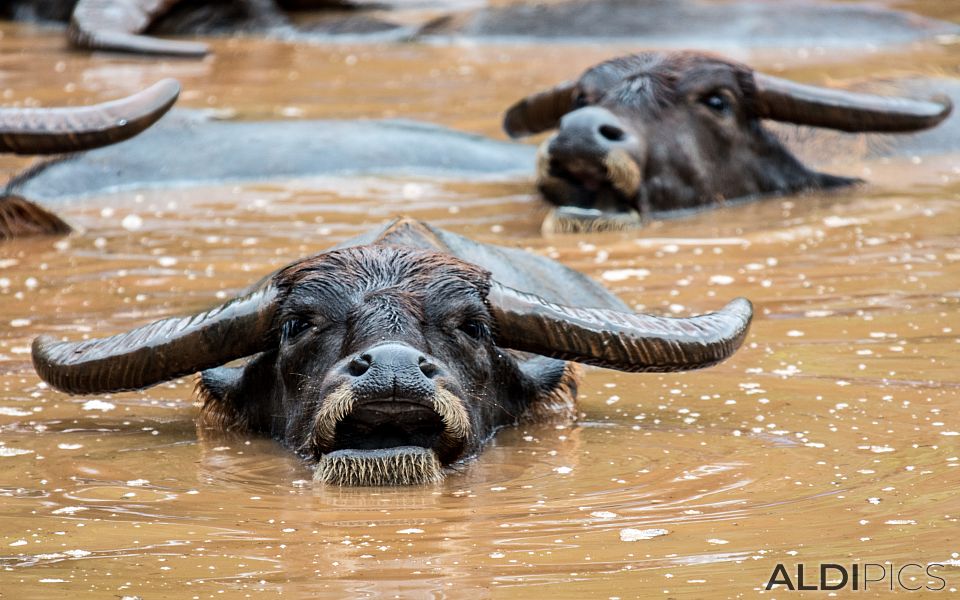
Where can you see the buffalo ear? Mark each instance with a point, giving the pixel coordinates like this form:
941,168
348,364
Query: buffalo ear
238,398
220,384
539,112
551,385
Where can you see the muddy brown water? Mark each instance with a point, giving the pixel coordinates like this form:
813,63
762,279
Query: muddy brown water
831,437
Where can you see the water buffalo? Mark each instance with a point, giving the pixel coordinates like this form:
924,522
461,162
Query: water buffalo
119,25
197,149
662,131
397,353
32,131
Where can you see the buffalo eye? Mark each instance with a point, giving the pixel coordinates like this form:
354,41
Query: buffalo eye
580,100
473,328
292,328
716,102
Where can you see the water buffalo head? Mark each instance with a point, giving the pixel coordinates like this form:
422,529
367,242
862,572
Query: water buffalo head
386,363
679,130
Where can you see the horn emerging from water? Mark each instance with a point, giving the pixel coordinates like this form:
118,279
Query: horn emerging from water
791,102
617,340
160,351
117,24
539,112
56,130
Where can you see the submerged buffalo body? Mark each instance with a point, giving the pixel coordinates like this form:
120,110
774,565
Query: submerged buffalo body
701,23
397,353
664,131
187,148
59,130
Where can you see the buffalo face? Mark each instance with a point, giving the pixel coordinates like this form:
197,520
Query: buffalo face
368,368
660,132
383,363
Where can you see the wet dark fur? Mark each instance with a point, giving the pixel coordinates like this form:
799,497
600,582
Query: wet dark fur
37,10
351,299
19,218
689,155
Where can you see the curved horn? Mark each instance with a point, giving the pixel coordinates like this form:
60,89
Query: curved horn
160,351
539,112
55,130
117,24
616,340
783,100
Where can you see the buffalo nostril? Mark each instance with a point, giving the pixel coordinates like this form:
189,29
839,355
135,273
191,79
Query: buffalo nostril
612,133
359,365
428,368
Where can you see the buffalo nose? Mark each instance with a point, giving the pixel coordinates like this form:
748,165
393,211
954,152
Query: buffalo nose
359,364
611,132
592,125
392,358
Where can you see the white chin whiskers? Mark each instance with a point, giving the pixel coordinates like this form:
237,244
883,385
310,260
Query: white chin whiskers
403,465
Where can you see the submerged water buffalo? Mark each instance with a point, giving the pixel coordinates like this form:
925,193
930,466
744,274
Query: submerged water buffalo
120,25
638,136
397,353
32,131
662,131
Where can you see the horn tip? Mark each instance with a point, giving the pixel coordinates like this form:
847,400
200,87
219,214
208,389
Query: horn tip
539,112
157,99
946,107
166,91
513,123
168,88
188,49
740,307
41,346
47,353
40,354
81,36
